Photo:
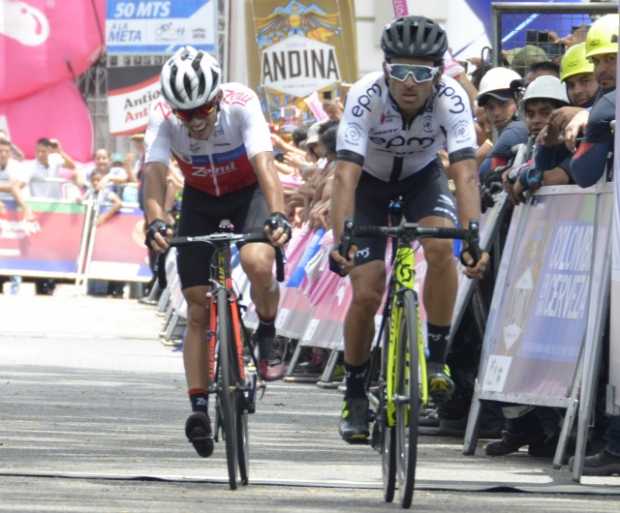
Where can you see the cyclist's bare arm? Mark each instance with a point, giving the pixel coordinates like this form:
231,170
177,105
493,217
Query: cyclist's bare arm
346,178
270,184
154,194
465,173
269,181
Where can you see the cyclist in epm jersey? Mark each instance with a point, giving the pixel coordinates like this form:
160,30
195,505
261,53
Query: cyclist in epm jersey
395,122
221,141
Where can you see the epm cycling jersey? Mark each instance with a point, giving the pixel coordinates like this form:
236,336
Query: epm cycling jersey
221,164
374,134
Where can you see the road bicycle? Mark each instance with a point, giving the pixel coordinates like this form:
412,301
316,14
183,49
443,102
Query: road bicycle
234,382
398,385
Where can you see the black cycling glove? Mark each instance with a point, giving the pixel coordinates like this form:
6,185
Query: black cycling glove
156,226
278,220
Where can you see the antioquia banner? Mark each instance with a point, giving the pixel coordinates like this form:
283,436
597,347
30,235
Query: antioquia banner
301,46
132,91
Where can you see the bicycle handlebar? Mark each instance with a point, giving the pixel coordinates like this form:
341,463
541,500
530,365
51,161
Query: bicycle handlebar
225,238
414,231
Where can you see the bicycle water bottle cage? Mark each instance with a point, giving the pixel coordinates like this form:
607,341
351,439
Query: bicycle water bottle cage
395,211
226,226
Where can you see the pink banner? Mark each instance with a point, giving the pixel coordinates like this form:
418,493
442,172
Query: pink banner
43,42
59,112
118,251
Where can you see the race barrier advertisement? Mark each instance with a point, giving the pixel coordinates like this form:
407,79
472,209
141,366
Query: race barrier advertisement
63,242
301,46
546,303
160,27
111,259
35,248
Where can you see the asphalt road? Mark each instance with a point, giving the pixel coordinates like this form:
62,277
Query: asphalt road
92,408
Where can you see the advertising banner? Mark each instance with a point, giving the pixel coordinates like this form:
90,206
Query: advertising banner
132,90
301,46
117,250
160,27
538,319
34,248
44,42
57,111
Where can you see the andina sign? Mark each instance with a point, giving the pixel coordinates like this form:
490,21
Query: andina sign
299,66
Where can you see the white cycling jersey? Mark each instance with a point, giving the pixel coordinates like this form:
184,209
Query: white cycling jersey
373,134
220,164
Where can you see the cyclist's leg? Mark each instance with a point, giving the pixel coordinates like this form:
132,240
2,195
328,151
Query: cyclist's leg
257,262
368,284
431,204
193,268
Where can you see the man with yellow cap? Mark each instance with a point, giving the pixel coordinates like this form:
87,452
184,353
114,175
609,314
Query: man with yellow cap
577,73
587,167
588,163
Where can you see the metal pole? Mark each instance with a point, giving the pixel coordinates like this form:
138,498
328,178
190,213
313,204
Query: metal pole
537,7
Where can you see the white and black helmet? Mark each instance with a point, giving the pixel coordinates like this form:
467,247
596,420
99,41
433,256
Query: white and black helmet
190,78
414,36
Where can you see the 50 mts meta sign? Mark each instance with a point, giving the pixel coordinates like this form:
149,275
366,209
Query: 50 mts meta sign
160,26
299,66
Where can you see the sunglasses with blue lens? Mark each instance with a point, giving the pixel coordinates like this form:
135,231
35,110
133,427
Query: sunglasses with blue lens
419,73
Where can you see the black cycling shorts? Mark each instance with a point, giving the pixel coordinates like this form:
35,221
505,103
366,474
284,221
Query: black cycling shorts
426,193
202,213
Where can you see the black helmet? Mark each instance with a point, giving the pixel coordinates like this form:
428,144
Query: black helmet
414,36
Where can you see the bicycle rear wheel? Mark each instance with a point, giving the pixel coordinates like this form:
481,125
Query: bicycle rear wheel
228,391
408,402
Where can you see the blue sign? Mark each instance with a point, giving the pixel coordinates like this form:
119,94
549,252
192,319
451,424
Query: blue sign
160,27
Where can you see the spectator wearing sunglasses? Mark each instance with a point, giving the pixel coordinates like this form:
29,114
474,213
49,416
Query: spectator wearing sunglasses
394,124
218,135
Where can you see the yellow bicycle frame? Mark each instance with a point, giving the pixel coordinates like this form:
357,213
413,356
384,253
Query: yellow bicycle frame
404,278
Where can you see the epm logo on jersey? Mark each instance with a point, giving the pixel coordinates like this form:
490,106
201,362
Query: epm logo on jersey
405,144
363,101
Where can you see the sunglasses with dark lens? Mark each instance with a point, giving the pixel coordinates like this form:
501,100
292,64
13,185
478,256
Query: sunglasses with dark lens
189,114
419,73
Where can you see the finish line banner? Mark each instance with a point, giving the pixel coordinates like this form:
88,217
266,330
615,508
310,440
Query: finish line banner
160,27
301,46
49,246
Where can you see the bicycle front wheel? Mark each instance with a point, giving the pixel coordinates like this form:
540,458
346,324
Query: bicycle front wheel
408,399
227,385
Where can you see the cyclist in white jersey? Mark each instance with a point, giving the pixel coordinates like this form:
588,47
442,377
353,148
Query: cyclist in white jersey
220,139
394,124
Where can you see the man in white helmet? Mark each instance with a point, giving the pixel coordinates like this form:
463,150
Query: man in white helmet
544,95
218,135
497,98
